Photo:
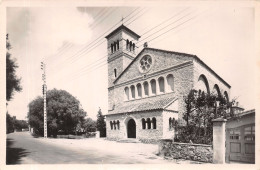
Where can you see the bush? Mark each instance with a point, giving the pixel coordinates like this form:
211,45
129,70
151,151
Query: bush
187,134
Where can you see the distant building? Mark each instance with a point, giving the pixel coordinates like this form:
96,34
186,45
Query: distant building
146,88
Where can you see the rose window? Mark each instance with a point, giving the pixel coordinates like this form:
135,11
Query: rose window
145,63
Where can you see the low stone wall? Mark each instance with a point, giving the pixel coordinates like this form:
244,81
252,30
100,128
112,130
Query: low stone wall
70,137
195,152
149,141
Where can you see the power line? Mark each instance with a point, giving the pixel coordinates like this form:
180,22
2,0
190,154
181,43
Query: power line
146,38
86,49
160,25
181,29
83,50
104,62
165,27
175,27
165,21
101,12
100,64
136,15
103,18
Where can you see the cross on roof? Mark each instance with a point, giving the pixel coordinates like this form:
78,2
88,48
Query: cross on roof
122,20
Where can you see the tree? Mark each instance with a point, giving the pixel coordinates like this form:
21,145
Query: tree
64,112
89,125
201,109
20,124
9,123
101,124
12,82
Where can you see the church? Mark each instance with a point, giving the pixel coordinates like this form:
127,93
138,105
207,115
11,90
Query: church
146,89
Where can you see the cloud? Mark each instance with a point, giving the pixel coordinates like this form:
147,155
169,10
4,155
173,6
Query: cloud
51,27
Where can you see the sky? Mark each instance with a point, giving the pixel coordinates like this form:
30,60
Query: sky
71,42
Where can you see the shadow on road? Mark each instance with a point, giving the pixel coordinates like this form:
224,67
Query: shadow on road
14,155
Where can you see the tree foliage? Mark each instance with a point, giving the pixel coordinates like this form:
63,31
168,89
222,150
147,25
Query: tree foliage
101,124
13,83
9,123
201,109
64,113
89,125
13,124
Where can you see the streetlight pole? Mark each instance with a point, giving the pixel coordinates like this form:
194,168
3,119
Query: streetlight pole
44,91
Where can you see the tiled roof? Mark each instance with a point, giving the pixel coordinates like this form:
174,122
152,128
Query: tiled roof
122,27
146,104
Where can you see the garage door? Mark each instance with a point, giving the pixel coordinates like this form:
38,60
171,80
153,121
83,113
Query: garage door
240,144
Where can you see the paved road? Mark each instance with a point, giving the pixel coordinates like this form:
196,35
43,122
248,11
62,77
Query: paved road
22,148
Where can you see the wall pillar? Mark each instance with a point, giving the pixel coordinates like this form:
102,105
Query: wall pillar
157,87
219,134
97,134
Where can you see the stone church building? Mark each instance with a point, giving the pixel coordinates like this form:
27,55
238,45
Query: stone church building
146,88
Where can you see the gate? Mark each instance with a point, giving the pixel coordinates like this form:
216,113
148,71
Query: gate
240,144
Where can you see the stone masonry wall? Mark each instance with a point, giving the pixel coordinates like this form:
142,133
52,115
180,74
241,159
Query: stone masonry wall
212,79
144,135
195,152
183,76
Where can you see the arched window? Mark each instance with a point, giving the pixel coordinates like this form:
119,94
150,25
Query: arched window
146,88
111,125
173,122
139,90
226,96
112,48
199,92
153,86
126,93
203,84
133,46
148,123
154,122
170,83
216,90
115,73
117,44
127,44
132,91
203,94
118,124
143,123
114,123
130,46
161,84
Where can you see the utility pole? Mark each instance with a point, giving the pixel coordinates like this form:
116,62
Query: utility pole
44,91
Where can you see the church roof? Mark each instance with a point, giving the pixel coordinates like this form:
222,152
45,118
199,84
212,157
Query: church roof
122,27
144,104
176,53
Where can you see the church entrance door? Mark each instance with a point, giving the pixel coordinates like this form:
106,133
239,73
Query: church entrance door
131,129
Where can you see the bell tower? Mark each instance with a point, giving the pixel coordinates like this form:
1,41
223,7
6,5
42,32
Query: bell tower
121,49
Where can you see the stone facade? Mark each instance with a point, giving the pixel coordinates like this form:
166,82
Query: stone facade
195,152
212,78
142,134
150,78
